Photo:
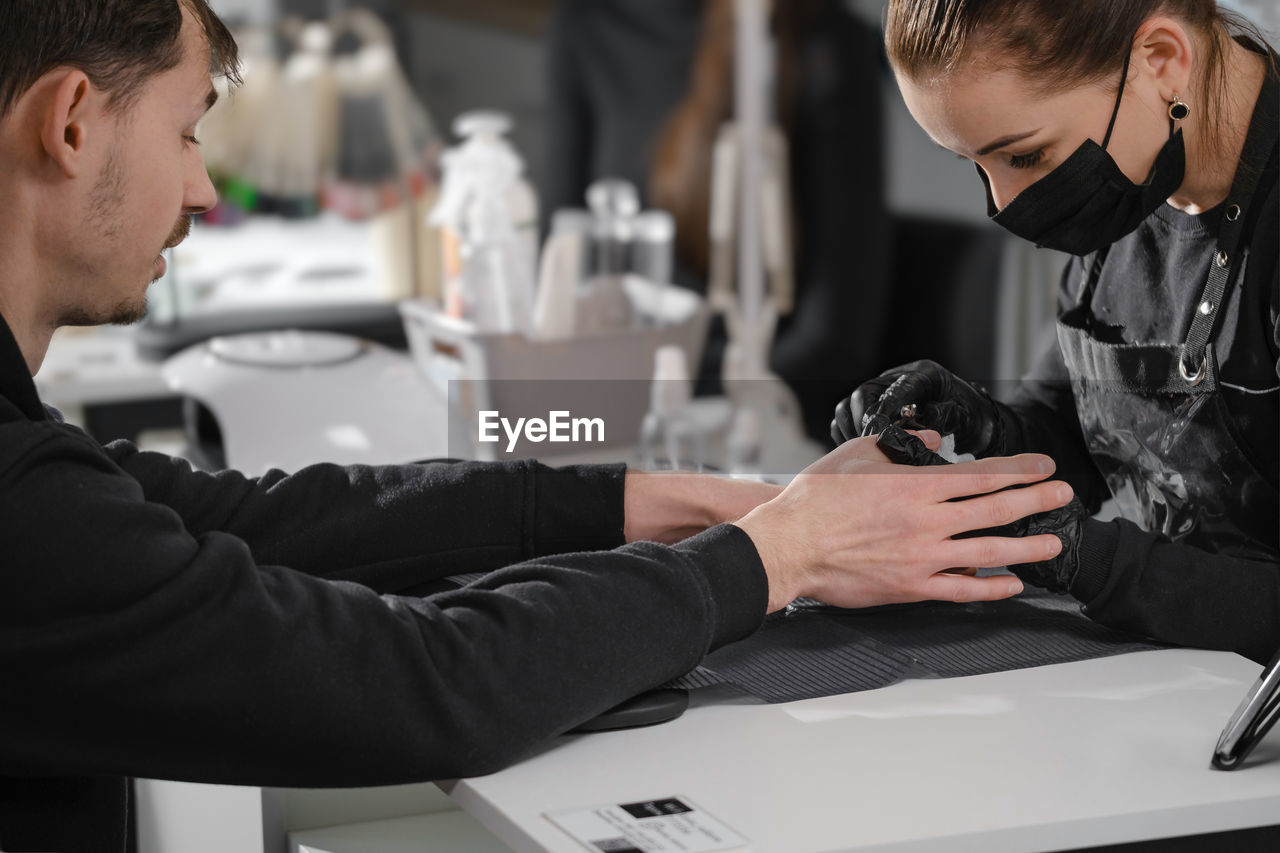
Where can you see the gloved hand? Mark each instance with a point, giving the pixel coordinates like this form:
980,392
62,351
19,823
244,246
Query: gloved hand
925,395
900,446
1066,522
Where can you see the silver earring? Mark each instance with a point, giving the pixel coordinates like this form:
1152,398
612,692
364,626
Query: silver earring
1178,110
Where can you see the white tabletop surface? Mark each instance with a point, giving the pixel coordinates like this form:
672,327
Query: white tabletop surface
1056,757
92,366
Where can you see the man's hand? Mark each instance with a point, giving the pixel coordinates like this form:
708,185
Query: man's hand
854,530
1055,574
668,506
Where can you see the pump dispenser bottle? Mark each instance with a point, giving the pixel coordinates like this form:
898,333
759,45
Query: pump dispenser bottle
487,214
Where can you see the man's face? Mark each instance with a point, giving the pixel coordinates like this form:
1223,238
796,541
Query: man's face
151,179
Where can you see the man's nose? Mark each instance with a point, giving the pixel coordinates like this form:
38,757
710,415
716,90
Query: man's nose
198,193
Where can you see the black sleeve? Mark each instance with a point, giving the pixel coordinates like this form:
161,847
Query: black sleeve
1141,582
392,527
134,646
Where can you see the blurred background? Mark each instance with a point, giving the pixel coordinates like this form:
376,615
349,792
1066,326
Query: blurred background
336,207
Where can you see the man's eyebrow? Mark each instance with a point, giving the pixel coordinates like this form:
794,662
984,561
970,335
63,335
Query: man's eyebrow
210,99
1007,140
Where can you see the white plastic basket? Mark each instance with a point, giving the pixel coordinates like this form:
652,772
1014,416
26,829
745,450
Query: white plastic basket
604,376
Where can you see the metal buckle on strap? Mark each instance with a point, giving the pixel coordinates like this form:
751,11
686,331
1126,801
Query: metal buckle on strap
1193,379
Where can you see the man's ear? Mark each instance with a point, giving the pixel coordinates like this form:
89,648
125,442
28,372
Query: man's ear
70,116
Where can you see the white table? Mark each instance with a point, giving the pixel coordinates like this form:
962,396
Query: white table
87,367
1057,757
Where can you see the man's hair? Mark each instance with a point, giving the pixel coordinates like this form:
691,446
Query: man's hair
119,44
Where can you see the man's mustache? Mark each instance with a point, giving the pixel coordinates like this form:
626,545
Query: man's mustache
180,231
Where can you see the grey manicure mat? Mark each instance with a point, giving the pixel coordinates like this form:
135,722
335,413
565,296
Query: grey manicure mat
813,650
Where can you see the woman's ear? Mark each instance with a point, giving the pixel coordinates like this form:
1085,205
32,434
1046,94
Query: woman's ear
71,112
1165,52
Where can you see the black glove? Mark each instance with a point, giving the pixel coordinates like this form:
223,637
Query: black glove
900,446
925,395
1067,523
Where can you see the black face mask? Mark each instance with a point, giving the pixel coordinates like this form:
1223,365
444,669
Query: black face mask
1087,203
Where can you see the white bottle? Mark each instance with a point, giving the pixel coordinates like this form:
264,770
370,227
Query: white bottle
668,437
487,214
487,129
555,310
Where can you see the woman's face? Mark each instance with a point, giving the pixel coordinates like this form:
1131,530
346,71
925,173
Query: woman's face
1017,136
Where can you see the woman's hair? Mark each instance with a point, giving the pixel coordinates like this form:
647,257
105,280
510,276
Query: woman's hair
1062,44
680,180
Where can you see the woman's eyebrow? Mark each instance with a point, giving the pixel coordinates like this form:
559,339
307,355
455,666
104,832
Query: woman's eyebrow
1006,140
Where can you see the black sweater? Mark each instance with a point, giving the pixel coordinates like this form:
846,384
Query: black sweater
163,622
1148,291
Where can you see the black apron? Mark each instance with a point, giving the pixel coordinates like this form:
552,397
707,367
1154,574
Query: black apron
1152,414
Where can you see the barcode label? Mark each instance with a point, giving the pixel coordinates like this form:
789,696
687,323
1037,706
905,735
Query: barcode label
660,825
616,845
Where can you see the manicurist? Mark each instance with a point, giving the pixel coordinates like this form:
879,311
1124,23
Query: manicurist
1138,136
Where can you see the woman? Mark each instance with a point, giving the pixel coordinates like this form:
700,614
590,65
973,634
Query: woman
1139,136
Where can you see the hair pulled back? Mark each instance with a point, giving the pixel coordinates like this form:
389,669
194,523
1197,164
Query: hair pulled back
1054,44
1063,44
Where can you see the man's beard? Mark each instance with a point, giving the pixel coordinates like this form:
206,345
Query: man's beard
108,195
125,313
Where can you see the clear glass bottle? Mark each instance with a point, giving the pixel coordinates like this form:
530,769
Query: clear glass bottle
669,439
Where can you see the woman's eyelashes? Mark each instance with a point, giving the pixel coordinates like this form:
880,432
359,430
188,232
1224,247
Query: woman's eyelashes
1019,161
1026,161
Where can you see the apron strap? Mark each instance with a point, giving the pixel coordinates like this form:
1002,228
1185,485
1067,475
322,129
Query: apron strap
1092,274
1226,261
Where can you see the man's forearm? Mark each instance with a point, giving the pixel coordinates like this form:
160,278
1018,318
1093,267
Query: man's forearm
669,506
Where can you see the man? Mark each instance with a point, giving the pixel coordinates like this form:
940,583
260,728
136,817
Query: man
162,622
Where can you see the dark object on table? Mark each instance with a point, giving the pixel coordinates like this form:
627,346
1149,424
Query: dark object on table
647,709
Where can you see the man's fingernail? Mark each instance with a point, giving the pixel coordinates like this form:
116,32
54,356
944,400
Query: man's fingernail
1015,587
1045,466
1063,493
